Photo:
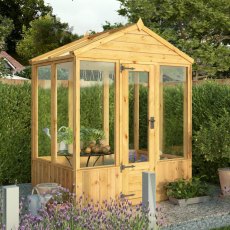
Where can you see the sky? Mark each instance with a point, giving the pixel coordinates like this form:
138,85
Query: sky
86,15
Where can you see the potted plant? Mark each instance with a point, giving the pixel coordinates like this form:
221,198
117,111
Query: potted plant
184,192
64,138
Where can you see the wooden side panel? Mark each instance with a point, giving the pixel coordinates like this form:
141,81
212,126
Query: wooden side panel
43,172
99,184
167,171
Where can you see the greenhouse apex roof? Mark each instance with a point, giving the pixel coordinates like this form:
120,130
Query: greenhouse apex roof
91,41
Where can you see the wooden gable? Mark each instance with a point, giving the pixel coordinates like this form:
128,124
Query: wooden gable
131,43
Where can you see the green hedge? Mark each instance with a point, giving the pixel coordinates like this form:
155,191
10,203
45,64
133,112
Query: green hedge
15,133
211,107
211,129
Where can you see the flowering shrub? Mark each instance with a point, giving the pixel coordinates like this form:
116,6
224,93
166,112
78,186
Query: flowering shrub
119,214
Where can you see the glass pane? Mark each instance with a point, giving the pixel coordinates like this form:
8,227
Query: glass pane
65,107
44,110
97,113
138,116
172,91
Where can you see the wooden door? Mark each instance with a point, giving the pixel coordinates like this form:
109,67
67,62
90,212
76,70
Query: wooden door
137,128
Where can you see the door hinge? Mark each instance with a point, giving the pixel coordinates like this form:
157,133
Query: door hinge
122,67
122,167
124,195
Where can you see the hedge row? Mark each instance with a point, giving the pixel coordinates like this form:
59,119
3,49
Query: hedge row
15,133
211,107
211,129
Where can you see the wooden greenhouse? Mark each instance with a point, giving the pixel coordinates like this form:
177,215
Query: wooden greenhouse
108,107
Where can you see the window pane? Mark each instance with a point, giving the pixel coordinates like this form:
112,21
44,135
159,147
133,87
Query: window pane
65,107
138,116
97,113
172,91
44,110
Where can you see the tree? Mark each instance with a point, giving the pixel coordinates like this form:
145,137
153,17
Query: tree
21,12
109,26
45,33
6,26
200,28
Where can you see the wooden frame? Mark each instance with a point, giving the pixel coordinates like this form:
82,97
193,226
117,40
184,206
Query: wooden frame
132,46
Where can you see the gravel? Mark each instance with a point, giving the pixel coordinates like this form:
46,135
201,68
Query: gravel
214,213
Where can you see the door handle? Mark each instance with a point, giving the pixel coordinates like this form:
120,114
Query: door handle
122,167
124,195
151,122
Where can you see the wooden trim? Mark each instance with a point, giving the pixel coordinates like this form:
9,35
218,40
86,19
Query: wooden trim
140,24
76,121
157,112
65,47
136,111
173,64
117,114
166,43
125,116
34,112
151,113
77,113
189,111
53,113
106,106
121,115
70,104
56,60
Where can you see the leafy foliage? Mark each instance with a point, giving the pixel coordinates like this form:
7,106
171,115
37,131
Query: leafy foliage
65,134
21,13
109,26
44,121
211,109
199,28
15,134
213,141
6,26
184,189
89,134
26,73
45,33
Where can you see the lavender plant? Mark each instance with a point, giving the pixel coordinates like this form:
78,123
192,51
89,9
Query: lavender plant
68,213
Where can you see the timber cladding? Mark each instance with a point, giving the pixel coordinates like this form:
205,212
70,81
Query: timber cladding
136,48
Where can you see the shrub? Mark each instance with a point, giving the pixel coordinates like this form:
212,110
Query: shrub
183,189
15,134
211,116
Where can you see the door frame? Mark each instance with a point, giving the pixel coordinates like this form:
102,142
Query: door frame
124,124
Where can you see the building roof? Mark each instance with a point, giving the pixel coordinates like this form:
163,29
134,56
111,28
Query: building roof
13,64
91,41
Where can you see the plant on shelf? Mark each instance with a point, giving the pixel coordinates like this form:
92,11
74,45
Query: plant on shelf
64,138
182,190
92,140
65,134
